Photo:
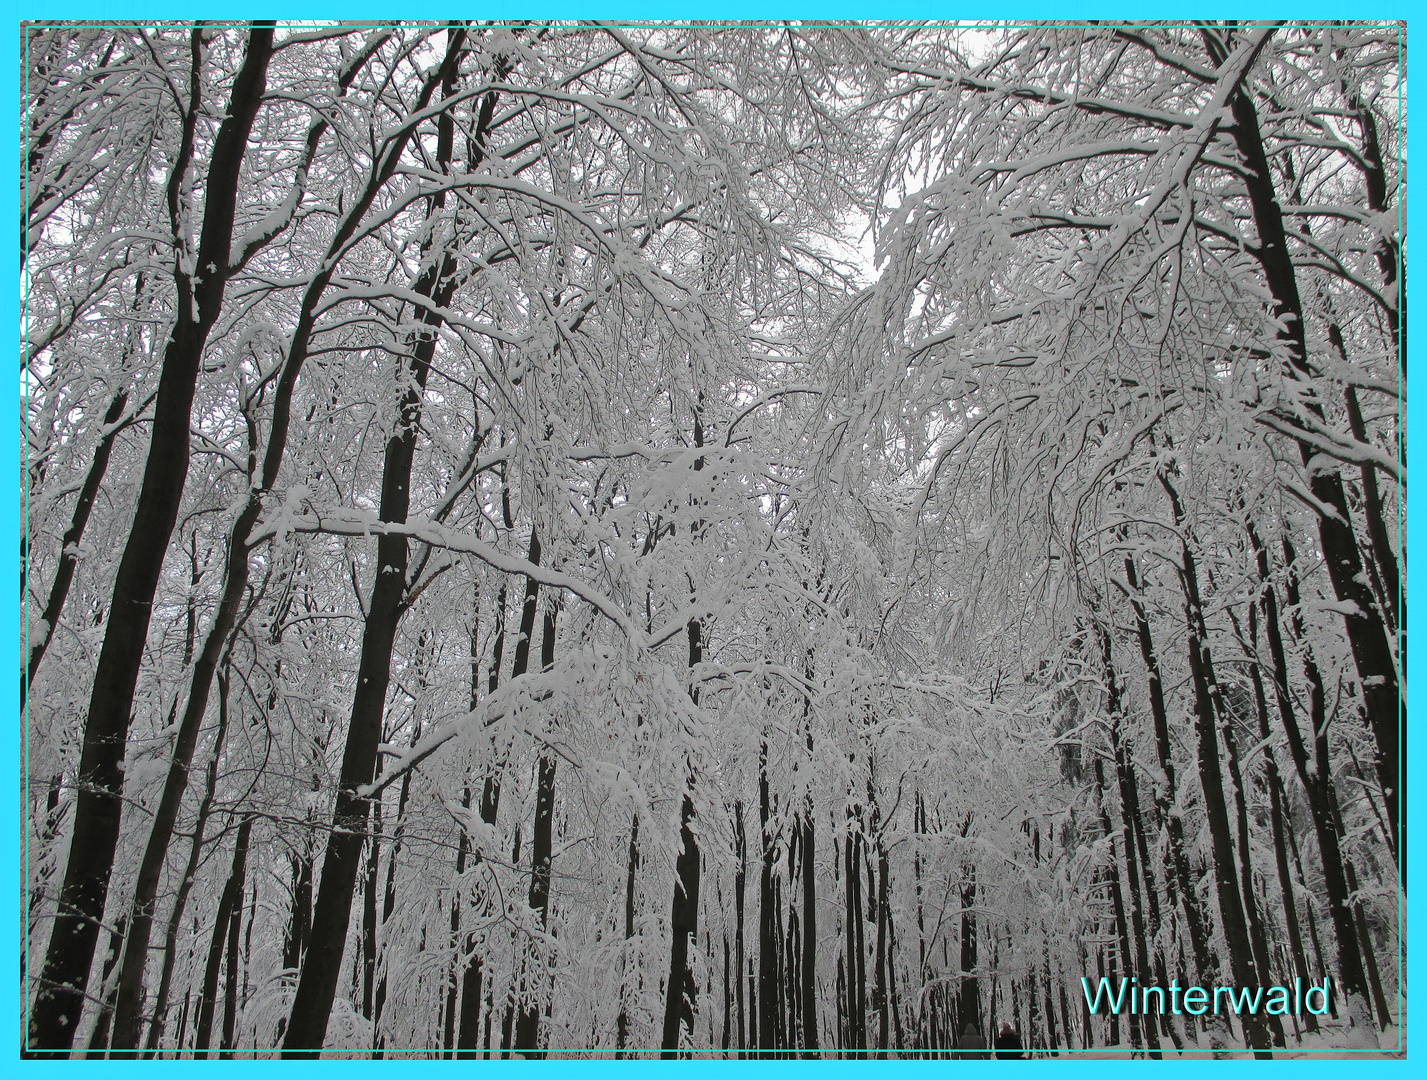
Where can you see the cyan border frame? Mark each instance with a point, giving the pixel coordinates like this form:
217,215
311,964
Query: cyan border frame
12,517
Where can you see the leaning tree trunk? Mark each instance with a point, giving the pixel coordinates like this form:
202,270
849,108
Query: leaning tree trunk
235,585
190,871
69,546
1314,772
317,985
1367,636
96,819
230,903
1114,708
1211,782
1167,796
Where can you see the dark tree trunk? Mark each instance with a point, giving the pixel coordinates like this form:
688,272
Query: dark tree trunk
1246,871
317,985
1274,784
467,1032
1379,999
810,933
622,1024
856,1038
1167,797
96,818
1231,910
767,947
527,1029
185,885
683,920
1385,560
369,913
968,1003
740,882
99,1040
1128,817
1117,897
1367,635
230,981
69,546
230,902
527,1034
727,1006
300,918
679,1004
881,995
1315,774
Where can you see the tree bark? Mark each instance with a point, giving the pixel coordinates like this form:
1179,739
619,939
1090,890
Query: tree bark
1231,909
1367,635
683,919
69,545
740,884
1274,784
1167,797
190,871
317,985
810,933
1315,774
767,974
199,301
622,1023
230,901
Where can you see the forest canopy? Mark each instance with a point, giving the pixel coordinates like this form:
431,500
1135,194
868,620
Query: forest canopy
599,539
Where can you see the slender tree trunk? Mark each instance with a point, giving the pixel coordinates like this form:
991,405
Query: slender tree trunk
1379,999
881,996
1246,870
1167,797
1314,774
622,1023
1128,814
683,920
856,1002
230,982
724,1037
69,546
96,820
1117,897
190,871
1274,783
99,1039
740,881
230,901
810,933
369,913
527,1034
1383,555
1367,636
679,1004
317,984
1231,910
527,1031
968,1004
767,974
